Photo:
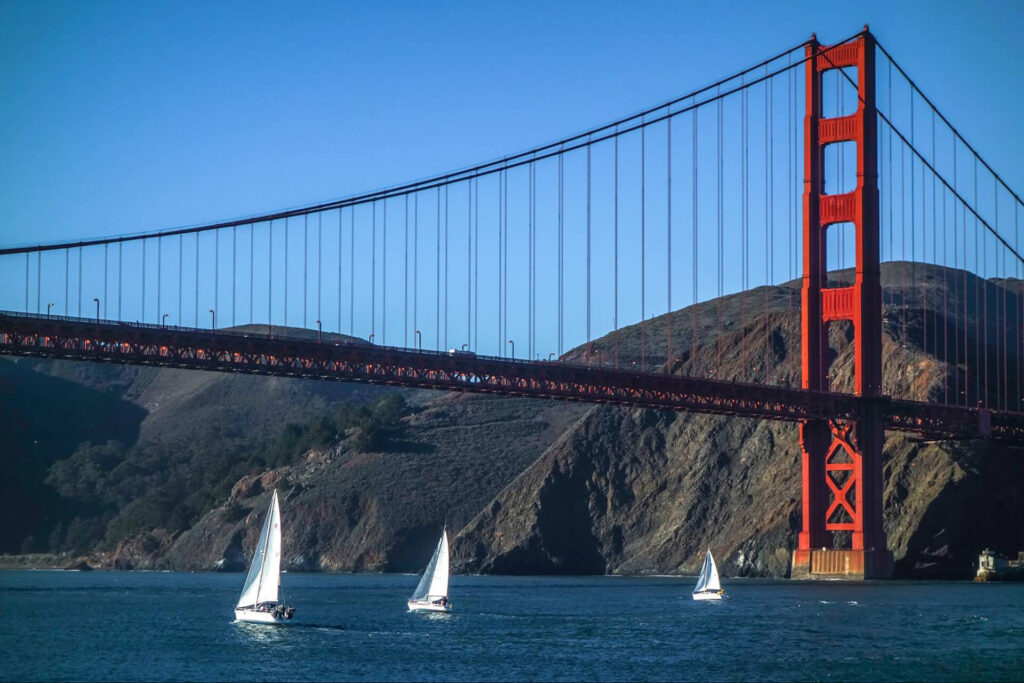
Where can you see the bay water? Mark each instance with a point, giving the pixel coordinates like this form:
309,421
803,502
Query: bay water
178,626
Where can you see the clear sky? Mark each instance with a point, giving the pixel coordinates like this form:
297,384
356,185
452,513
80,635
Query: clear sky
127,117
120,117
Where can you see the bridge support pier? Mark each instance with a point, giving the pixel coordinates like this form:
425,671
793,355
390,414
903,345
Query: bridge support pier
841,460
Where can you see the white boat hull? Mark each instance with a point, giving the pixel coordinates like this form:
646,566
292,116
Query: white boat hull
253,617
709,595
424,606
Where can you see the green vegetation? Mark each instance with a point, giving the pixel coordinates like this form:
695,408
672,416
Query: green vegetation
112,492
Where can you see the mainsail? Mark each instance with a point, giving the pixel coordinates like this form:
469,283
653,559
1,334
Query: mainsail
708,580
434,583
264,578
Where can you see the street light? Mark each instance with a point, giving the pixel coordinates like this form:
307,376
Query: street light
319,331
513,343
464,346
48,307
97,308
551,355
371,337
213,319
163,321
419,341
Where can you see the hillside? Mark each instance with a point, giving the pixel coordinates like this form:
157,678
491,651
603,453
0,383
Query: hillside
526,486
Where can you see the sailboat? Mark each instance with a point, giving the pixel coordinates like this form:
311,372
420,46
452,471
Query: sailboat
708,586
259,600
431,595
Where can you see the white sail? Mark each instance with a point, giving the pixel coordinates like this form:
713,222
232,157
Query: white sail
264,578
708,580
434,583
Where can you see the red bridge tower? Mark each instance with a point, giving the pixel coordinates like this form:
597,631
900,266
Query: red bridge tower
842,460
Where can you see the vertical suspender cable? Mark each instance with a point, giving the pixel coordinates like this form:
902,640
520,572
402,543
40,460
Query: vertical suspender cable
469,262
384,274
67,283
252,267
216,273
615,278
532,312
643,247
892,201
305,269
561,247
341,259
120,278
744,213
981,332
769,210
446,266
668,246
80,249
234,272
719,160
405,280
181,260
935,260
319,266
270,276
437,273
285,321
501,346
967,365
352,271
476,265
415,262
159,276
694,267
945,299
913,213
504,286
1019,314
588,247
373,269
105,255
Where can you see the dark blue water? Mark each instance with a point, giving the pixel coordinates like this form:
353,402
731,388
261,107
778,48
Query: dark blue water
131,626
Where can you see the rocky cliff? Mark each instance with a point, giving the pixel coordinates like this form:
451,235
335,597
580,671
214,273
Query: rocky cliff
545,487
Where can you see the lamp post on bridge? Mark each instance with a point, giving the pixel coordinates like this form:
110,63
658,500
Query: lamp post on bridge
371,337
464,346
163,320
213,319
319,331
48,307
419,341
97,308
551,356
513,343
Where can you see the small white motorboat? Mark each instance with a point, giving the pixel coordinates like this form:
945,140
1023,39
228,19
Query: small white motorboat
431,594
259,602
708,585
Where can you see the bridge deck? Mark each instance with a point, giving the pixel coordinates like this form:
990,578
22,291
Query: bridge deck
230,351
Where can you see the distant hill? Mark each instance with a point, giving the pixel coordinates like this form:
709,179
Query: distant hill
150,467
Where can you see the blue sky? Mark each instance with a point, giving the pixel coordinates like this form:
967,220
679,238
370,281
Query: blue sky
123,117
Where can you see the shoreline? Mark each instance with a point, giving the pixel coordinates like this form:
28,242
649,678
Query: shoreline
49,562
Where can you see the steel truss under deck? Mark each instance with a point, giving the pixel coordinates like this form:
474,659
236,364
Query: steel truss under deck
356,361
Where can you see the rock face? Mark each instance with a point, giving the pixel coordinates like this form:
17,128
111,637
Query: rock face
346,510
635,491
532,487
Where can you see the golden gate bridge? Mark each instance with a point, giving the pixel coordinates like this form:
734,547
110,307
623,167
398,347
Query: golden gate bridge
821,181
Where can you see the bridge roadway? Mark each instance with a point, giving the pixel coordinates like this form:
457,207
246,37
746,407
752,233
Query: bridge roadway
357,361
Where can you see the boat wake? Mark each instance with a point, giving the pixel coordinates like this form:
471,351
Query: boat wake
320,627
